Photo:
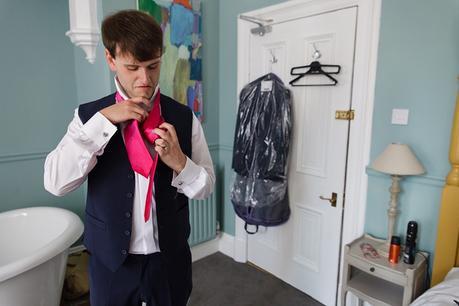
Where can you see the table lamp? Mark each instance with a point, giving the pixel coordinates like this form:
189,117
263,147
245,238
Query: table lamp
397,160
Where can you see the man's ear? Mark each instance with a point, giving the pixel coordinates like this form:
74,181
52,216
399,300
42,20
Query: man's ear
110,60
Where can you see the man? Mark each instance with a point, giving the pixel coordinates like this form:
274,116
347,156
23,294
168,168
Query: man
136,221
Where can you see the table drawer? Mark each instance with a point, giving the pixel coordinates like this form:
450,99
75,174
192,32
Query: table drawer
389,275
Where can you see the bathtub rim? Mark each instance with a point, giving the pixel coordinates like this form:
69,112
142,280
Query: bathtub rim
62,242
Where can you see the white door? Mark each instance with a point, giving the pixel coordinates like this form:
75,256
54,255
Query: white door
304,252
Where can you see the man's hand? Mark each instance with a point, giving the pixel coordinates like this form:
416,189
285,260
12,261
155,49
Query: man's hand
168,147
134,108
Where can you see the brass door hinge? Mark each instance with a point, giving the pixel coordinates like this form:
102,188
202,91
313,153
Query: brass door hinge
344,115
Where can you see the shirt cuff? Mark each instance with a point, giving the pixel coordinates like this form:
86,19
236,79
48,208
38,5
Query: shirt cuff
187,176
98,130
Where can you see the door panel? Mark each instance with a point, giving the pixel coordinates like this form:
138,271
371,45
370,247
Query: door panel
304,252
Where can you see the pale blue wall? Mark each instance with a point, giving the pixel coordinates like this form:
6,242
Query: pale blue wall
418,63
37,85
417,66
210,66
44,78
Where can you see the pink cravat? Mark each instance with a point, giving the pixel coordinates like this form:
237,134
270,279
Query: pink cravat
139,156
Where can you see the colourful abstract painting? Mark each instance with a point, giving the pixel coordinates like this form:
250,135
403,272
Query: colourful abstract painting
181,68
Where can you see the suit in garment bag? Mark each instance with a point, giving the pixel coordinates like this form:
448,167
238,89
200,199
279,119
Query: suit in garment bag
260,153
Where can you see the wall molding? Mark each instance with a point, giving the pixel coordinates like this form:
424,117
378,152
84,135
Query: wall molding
212,146
430,180
16,157
10,158
220,147
226,147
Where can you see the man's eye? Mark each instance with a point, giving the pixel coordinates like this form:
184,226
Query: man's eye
153,67
132,68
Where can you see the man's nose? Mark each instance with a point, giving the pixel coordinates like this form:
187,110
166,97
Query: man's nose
143,75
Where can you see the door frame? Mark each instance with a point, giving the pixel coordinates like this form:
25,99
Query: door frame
363,87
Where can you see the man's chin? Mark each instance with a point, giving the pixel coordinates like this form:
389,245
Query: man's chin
144,94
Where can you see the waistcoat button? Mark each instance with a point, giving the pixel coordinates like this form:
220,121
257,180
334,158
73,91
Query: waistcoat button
124,252
127,233
127,214
129,194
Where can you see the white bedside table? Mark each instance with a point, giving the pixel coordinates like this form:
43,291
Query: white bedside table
378,281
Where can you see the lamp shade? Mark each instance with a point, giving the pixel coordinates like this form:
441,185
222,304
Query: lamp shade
398,159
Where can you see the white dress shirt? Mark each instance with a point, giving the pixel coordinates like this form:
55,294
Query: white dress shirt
68,165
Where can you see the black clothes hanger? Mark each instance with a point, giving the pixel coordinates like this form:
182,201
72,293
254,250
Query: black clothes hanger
315,68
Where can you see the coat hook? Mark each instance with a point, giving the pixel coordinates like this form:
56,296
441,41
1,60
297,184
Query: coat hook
273,59
316,55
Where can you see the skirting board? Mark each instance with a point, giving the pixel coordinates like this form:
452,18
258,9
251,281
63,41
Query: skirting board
204,249
224,243
77,249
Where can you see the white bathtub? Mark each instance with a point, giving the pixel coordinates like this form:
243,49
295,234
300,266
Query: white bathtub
34,245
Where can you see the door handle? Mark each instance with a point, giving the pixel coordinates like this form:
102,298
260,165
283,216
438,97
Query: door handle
332,200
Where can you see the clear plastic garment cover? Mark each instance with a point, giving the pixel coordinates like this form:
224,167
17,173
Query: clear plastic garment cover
260,154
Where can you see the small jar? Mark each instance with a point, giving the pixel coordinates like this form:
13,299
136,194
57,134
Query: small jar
394,250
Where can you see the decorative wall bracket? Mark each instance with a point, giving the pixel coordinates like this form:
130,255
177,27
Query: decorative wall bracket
84,29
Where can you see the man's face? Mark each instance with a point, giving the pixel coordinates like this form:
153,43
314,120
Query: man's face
138,79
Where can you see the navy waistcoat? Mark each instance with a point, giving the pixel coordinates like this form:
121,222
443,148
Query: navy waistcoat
110,195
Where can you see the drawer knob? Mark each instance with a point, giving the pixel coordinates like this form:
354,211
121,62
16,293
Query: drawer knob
372,269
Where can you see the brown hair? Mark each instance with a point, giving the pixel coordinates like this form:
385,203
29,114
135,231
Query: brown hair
133,32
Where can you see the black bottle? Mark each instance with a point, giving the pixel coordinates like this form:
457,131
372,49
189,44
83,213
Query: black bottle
409,253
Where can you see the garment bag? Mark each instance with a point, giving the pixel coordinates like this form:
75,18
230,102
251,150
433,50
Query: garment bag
260,153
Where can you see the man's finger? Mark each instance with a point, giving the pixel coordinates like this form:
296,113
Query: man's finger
162,133
161,142
139,112
169,127
140,108
137,117
134,107
160,150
